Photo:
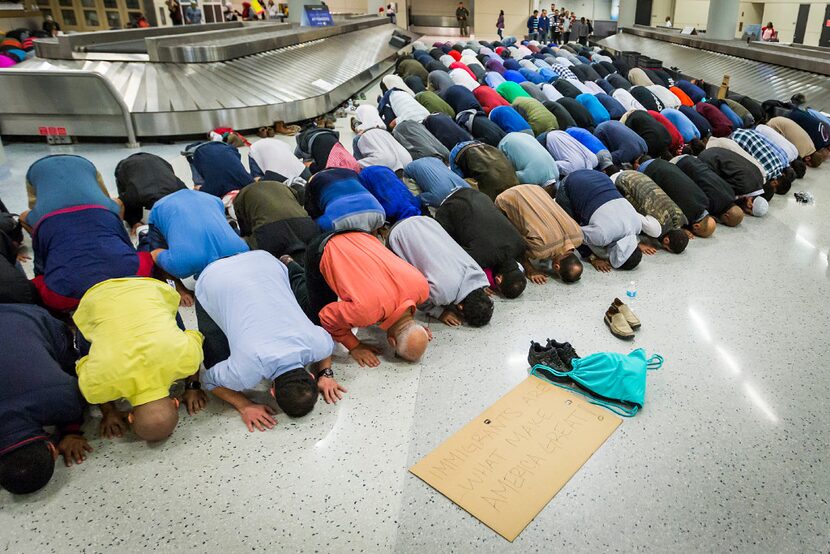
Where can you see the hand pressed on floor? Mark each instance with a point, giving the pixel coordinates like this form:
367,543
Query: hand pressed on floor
259,416
365,355
73,448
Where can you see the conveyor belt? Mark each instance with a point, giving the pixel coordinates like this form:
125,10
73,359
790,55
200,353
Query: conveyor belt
291,83
755,79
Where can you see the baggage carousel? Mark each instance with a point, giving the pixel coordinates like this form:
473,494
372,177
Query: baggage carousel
768,74
181,81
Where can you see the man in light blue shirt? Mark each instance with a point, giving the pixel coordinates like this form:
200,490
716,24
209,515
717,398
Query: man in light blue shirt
255,330
189,231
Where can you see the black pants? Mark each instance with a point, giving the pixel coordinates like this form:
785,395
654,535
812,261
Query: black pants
501,33
566,36
555,36
583,41
215,346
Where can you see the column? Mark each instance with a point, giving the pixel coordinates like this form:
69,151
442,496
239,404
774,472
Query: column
628,11
295,10
723,19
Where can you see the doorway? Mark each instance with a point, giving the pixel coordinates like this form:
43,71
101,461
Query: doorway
643,14
752,13
801,23
824,40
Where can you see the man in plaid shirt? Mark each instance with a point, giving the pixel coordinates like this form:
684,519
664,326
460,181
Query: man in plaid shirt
779,175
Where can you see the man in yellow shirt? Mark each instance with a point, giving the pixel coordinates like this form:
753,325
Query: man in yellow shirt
136,352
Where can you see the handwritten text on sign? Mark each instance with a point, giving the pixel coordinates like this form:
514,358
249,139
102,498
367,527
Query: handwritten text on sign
506,465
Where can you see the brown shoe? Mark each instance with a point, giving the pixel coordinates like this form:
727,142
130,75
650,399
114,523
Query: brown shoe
632,319
262,132
617,324
281,129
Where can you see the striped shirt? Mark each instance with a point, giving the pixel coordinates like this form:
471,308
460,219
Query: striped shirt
758,147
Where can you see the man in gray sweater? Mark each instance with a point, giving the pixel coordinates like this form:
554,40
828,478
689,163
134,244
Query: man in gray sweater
457,284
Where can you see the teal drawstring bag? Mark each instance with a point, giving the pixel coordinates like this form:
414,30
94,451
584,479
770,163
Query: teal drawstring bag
615,381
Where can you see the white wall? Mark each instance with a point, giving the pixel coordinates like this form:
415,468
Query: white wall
782,13
346,6
487,13
660,10
691,13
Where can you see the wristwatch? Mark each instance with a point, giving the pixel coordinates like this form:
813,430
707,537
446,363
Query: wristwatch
325,373
192,385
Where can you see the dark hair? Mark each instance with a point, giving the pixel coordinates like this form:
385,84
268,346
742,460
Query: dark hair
696,146
513,283
570,268
477,308
678,240
816,158
799,168
611,170
27,469
295,392
769,191
633,260
785,182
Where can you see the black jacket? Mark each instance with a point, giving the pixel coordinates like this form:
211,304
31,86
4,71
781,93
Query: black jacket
691,200
742,175
474,222
718,191
656,136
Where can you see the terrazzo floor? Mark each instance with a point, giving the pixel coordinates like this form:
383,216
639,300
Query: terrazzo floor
729,454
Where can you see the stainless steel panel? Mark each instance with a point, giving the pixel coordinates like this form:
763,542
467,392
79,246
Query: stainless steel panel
224,45
751,78
171,99
791,58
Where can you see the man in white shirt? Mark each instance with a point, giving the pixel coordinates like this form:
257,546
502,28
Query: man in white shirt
255,330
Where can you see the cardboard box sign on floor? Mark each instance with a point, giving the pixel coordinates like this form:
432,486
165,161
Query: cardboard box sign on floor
507,464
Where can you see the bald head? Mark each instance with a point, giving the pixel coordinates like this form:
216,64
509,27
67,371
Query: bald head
733,216
705,227
156,420
410,341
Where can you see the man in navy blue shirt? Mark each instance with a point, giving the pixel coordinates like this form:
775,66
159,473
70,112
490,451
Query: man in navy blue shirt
38,390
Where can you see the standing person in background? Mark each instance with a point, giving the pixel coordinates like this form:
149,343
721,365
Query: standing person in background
391,12
461,15
566,28
668,22
533,25
273,10
51,27
193,15
500,25
582,32
175,10
544,26
555,27
768,33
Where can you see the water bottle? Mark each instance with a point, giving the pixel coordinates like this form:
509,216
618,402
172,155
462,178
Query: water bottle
631,291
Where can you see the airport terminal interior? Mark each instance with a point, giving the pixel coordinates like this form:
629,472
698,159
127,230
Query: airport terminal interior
419,276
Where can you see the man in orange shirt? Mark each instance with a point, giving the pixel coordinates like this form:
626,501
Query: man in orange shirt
373,287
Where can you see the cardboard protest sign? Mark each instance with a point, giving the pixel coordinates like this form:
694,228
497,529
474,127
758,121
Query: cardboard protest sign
507,464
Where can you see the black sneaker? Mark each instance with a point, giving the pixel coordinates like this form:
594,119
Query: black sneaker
545,355
566,352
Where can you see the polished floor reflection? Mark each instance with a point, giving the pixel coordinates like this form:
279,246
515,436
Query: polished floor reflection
729,454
